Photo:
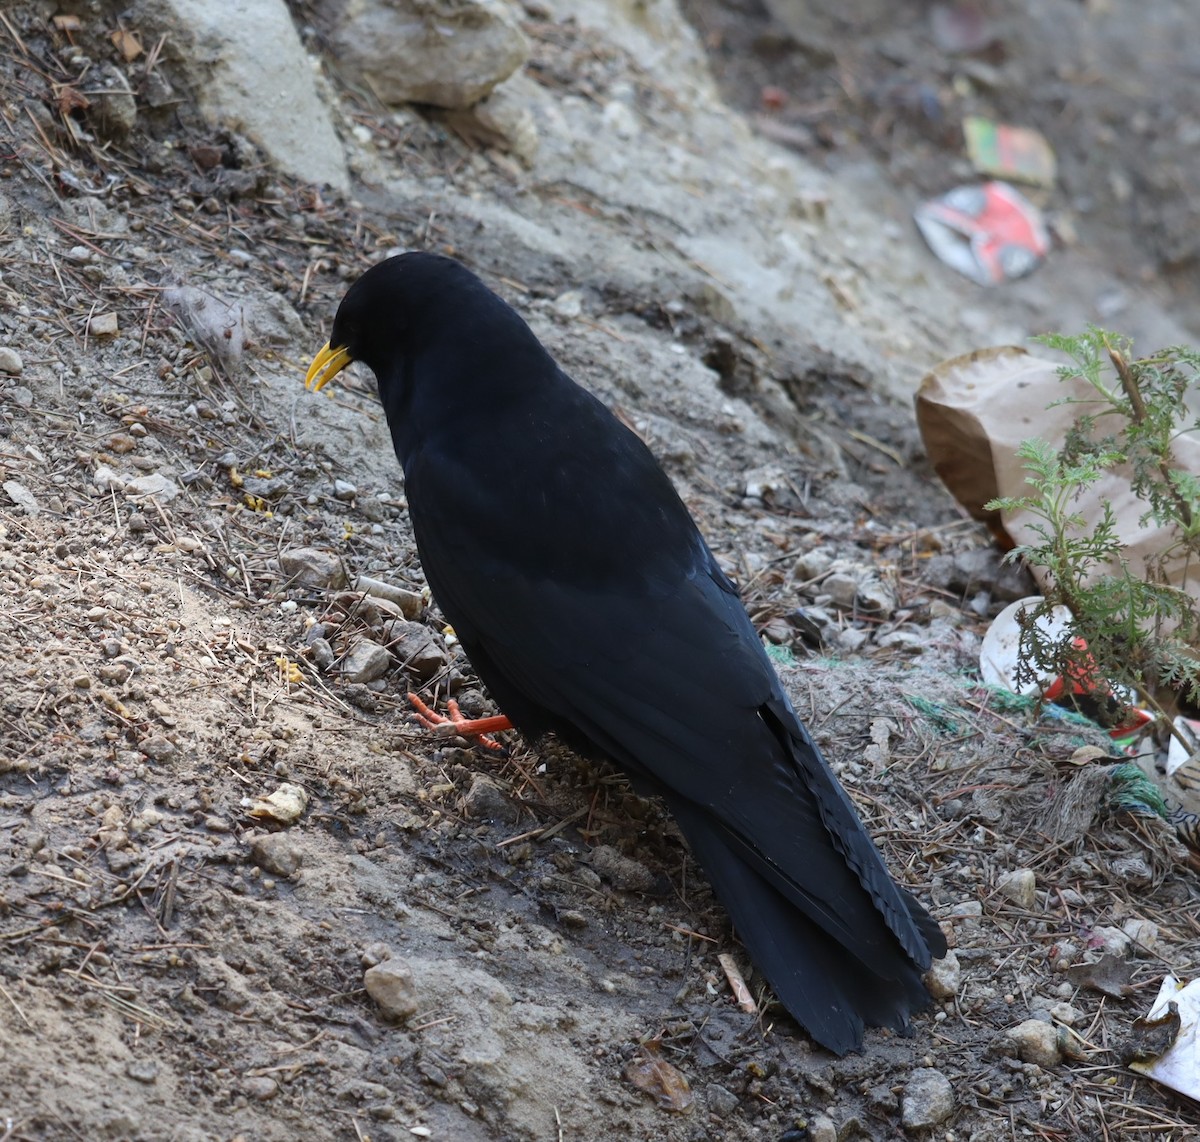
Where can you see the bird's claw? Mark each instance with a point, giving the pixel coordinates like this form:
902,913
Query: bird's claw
456,725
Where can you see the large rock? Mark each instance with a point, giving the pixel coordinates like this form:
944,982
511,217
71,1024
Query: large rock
449,53
249,71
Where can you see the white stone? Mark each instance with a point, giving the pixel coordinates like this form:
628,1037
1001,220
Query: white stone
250,72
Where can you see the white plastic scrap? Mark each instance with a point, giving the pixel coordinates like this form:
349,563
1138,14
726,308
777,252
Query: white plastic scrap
1179,1066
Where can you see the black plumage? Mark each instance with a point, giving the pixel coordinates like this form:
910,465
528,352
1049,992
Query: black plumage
589,605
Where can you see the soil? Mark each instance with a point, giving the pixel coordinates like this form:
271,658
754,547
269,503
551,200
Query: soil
182,959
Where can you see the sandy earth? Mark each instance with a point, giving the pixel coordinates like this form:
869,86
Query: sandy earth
180,961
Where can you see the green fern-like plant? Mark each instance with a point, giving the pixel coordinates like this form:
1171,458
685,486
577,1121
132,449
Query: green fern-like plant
1140,630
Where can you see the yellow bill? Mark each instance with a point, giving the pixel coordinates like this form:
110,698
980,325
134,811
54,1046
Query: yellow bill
325,366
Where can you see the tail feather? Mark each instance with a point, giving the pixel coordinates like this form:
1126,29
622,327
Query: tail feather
825,987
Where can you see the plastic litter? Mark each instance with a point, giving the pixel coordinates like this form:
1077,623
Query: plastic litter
990,233
1018,153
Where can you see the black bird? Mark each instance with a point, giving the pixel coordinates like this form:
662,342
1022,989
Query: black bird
589,605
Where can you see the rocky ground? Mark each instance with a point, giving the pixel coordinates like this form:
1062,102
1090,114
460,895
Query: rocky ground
242,895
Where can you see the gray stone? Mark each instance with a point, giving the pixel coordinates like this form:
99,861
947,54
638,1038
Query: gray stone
111,95
271,320
1019,886
311,567
502,120
569,304
344,490
365,661
22,497
812,564
274,488
142,1070
373,508
1111,940
906,638
944,976
486,801
10,362
157,747
620,870
985,569
822,1129
842,588
376,953
927,1100
260,1087
391,985
767,483
103,325
277,853
450,53
876,597
722,1102
852,639
418,650
106,479
161,487
1144,933
1034,1041
322,653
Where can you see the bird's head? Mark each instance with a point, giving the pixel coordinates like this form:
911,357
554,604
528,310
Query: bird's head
401,306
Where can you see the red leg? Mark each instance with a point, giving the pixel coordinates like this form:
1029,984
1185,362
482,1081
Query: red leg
457,725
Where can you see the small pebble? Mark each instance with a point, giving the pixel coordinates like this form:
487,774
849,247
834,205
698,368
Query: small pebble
142,1070
967,908
569,304
1144,933
365,661
1035,1041
22,497
311,567
322,653
390,984
944,977
260,1087
1019,886
376,953
418,650
723,1102
161,487
10,362
927,1100
277,853
158,748
822,1129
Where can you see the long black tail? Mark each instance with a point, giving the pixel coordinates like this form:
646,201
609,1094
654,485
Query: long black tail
821,982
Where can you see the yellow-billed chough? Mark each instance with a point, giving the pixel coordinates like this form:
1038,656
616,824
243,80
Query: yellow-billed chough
589,605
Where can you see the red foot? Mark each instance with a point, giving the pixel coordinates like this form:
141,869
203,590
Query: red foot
457,725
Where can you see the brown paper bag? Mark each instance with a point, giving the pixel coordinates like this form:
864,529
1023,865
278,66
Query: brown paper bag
974,411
